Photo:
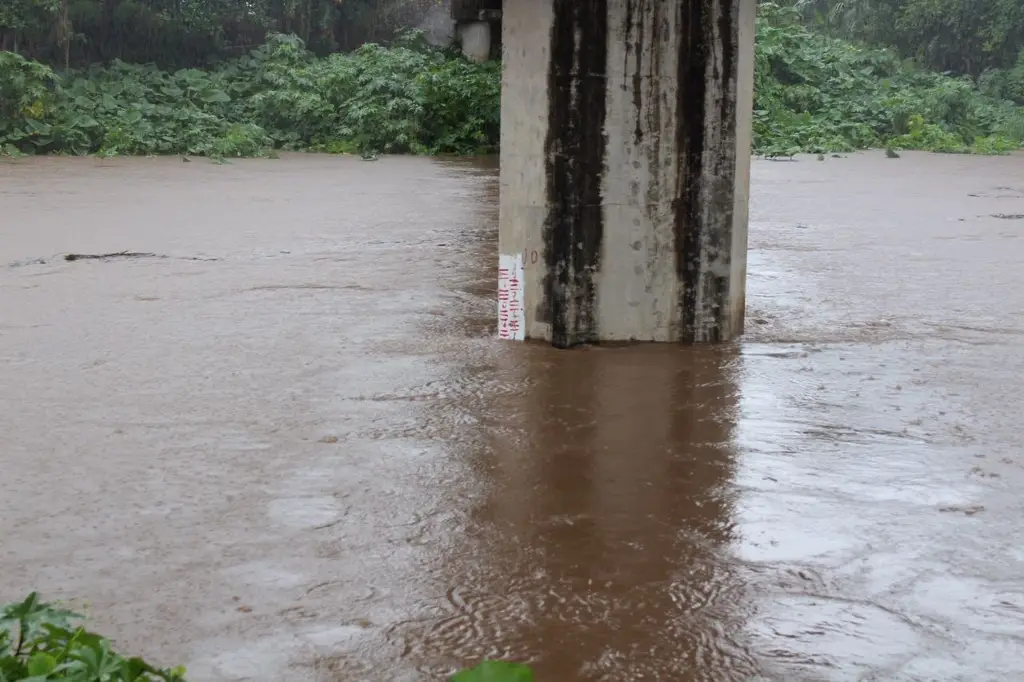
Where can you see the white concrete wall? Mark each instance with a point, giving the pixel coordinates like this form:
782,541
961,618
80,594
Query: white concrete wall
526,27
744,142
639,291
476,40
638,287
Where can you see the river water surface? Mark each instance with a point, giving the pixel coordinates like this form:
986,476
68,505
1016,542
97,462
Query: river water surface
291,448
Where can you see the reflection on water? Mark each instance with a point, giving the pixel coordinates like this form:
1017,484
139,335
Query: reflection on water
727,513
594,549
331,469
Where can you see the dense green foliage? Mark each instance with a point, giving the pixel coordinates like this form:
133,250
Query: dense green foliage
398,99
821,94
982,39
40,643
182,33
814,93
969,37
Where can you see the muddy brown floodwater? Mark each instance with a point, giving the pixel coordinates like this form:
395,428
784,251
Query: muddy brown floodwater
293,450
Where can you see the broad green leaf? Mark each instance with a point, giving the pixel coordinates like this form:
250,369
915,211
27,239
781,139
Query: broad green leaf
134,669
41,664
215,96
31,615
177,673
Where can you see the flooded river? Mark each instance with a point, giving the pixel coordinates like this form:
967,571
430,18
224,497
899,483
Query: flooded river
290,449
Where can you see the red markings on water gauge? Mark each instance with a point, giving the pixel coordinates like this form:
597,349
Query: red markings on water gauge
511,315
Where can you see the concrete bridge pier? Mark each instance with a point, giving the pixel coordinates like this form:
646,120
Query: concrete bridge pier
625,163
478,25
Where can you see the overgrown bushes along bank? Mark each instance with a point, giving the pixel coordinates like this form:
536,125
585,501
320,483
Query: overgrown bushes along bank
813,94
402,99
820,94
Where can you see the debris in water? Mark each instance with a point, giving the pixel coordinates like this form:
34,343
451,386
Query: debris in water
72,257
28,261
106,256
966,511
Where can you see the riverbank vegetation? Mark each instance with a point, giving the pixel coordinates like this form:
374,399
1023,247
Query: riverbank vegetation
399,99
824,82
42,642
818,93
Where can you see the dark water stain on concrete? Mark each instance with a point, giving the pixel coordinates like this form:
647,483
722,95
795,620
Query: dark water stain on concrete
575,153
658,99
635,25
326,467
704,190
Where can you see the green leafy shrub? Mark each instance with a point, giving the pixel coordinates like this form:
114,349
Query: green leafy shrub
921,135
395,100
813,93
376,99
25,99
1005,83
819,94
38,643
462,106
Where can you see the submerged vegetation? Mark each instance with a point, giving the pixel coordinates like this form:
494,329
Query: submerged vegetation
814,93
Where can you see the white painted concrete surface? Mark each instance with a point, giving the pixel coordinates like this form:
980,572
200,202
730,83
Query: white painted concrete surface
744,143
526,27
476,40
639,292
638,287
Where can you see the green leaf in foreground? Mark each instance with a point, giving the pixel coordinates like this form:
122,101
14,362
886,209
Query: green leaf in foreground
496,671
41,664
39,644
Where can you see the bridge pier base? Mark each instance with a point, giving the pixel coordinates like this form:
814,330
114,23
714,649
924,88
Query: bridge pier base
625,163
476,39
478,24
